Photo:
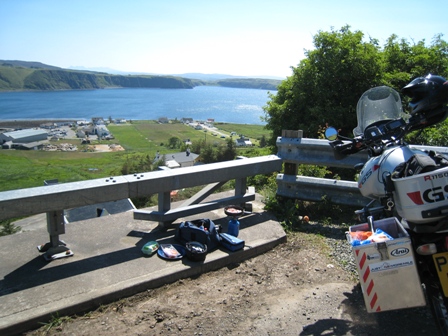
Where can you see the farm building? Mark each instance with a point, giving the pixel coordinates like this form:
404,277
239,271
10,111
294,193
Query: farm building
24,136
182,159
178,160
243,142
101,131
187,120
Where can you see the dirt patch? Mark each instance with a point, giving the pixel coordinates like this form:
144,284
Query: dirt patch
106,148
295,289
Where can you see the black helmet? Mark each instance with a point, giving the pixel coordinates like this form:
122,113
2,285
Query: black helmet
426,93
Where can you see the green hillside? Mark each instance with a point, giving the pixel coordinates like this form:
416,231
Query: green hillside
22,75
30,78
12,78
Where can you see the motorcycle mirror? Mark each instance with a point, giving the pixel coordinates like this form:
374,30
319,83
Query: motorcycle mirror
331,133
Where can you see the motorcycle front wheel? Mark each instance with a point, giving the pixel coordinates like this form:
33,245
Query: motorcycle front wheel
439,307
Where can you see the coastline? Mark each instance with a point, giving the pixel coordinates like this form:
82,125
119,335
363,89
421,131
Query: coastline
29,123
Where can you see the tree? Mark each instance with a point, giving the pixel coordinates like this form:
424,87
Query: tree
404,61
136,163
207,154
174,142
197,145
227,152
325,86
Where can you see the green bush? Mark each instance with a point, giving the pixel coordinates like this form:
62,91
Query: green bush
7,227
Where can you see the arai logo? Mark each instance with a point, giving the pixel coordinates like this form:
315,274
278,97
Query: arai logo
400,252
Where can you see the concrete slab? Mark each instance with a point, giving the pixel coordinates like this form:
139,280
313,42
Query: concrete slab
107,264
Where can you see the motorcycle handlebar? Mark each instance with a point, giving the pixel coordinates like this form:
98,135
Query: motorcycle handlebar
374,138
341,149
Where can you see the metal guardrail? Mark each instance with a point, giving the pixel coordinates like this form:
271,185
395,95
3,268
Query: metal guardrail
314,152
294,150
54,199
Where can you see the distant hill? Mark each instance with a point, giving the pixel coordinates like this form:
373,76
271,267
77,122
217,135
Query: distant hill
216,77
31,65
191,75
19,75
248,83
23,75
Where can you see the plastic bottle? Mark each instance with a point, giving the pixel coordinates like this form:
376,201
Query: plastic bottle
233,227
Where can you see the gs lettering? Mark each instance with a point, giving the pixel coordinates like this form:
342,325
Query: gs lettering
366,176
435,194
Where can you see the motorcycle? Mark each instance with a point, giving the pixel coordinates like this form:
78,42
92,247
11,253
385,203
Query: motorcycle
406,183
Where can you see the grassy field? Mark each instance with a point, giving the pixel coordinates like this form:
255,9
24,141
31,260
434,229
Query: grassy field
152,136
23,169
253,132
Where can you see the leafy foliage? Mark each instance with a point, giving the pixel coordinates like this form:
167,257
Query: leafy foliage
326,85
7,227
209,153
174,142
324,90
403,61
432,136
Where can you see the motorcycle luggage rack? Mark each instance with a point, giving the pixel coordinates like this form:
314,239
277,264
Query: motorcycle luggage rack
376,212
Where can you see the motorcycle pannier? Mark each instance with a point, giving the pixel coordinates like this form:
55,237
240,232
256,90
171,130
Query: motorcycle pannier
387,270
420,192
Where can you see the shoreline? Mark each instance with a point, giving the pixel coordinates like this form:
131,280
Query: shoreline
37,122
17,123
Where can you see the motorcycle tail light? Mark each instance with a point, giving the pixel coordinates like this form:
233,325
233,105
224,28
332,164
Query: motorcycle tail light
427,249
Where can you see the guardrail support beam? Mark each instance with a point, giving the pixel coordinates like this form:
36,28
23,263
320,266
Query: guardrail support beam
55,248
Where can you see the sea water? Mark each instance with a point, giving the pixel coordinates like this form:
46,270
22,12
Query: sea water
233,105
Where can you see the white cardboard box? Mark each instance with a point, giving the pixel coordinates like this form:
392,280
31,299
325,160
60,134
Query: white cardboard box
387,271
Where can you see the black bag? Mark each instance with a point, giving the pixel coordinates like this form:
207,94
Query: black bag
201,230
421,163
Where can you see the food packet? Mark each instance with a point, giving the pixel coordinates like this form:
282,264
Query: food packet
150,247
170,251
360,235
368,237
379,236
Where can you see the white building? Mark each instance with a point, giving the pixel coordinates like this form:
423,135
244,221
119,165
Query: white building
24,136
178,160
243,142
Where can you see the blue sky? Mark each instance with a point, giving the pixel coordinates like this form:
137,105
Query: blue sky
242,37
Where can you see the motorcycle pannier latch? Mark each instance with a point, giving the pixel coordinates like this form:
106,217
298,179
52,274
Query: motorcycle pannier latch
382,249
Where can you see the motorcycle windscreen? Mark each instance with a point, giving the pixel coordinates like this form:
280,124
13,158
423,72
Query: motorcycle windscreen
376,104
